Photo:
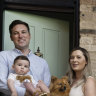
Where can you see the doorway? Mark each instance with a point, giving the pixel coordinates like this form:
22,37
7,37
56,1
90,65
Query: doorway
51,35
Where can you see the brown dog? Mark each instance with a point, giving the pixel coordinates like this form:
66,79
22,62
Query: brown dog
59,87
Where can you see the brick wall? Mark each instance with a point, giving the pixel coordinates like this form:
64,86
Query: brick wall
88,29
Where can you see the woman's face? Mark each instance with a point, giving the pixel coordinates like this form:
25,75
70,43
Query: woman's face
77,60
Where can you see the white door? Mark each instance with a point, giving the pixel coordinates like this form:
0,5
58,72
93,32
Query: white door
51,35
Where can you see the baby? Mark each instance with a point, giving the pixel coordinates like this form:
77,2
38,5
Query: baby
21,67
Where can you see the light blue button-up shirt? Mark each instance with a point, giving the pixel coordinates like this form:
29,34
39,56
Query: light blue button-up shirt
38,68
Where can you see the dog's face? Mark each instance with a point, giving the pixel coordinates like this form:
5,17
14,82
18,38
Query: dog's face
60,86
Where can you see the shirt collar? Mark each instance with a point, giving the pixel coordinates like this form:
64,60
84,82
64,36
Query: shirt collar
18,51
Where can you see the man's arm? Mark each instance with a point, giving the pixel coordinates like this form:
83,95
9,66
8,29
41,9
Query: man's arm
47,76
3,75
4,67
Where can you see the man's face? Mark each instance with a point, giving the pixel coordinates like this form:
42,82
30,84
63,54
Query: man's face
20,36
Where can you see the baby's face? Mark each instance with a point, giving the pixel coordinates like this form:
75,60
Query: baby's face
21,67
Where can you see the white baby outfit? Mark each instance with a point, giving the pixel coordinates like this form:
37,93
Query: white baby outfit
17,82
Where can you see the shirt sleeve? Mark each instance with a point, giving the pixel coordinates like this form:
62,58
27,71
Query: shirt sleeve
12,76
4,75
47,76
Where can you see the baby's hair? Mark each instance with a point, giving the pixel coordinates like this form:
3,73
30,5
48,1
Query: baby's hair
21,57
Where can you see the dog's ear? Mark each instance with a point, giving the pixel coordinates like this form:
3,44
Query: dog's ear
53,78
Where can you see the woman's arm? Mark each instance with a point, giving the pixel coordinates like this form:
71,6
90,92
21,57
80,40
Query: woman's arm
90,87
11,86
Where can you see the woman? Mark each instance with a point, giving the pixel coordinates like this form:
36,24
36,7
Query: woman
81,81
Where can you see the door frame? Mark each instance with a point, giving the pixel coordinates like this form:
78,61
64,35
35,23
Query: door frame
63,9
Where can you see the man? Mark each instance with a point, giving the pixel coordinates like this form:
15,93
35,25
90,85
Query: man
20,35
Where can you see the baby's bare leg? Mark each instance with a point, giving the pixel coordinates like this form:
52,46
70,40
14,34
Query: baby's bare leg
43,87
29,87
